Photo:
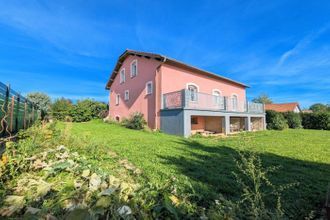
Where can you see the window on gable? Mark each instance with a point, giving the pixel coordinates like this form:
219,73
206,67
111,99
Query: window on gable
126,95
149,88
117,99
193,90
134,70
122,76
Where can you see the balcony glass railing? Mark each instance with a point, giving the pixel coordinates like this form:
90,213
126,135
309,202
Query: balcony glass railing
193,100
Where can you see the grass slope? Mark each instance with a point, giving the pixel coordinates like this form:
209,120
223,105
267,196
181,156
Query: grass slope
208,163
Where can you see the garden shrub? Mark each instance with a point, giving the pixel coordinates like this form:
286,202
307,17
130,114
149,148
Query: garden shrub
61,108
86,110
275,120
293,119
135,121
318,120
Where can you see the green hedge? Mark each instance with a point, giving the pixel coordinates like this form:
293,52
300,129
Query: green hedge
280,121
320,121
275,120
293,119
86,110
83,110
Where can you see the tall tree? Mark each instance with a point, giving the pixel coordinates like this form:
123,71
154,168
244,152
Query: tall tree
319,107
263,98
41,100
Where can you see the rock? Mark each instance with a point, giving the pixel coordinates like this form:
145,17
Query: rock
124,210
107,192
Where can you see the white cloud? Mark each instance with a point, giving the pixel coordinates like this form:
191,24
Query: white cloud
301,45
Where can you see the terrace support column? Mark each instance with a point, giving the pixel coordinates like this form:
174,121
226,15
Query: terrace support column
264,122
186,124
227,124
248,123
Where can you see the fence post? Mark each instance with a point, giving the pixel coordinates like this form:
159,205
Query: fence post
33,116
24,118
28,110
17,112
12,113
5,108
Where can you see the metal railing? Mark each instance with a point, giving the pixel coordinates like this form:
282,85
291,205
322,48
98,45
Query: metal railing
16,112
193,100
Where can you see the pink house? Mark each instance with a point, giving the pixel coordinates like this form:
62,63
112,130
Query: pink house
178,98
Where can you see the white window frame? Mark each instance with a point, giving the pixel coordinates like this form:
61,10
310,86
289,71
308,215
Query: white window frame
149,83
117,99
126,95
187,87
217,98
234,108
136,63
216,90
122,78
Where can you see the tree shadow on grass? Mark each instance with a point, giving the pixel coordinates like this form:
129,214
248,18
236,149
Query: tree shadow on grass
211,170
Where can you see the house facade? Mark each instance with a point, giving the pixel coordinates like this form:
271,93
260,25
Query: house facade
178,98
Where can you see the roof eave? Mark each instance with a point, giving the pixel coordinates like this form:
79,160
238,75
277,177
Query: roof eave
164,59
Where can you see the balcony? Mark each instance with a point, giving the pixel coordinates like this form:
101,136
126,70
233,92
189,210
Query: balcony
184,99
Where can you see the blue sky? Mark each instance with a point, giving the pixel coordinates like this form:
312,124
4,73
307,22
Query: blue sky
68,48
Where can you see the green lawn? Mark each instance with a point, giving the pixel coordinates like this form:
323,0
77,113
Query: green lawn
208,163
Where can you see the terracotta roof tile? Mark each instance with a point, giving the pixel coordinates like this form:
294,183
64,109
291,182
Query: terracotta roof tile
282,107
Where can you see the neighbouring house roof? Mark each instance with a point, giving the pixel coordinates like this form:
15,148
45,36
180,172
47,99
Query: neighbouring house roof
283,107
167,60
307,111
